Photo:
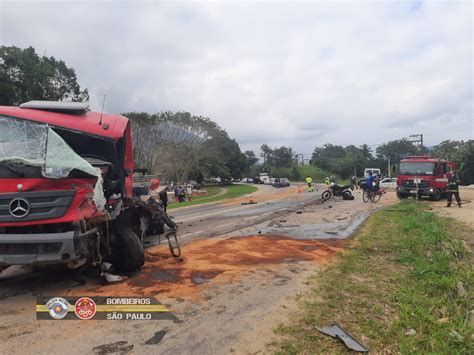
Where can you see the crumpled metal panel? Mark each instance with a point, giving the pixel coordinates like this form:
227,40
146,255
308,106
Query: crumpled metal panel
337,331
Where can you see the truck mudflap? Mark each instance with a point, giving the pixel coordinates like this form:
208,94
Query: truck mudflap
42,249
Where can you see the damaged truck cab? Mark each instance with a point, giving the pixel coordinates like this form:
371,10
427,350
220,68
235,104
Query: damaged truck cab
66,188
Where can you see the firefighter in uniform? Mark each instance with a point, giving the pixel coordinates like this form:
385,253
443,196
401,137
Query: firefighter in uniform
453,189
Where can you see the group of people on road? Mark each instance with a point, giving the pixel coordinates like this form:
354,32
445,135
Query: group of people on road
181,194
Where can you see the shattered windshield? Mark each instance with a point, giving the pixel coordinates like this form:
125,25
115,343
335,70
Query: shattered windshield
30,143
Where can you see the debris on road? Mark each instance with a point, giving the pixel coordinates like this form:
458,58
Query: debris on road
110,278
155,339
337,331
118,347
222,259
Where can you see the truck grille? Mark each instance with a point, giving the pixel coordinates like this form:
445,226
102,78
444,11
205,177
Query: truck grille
30,248
412,185
34,205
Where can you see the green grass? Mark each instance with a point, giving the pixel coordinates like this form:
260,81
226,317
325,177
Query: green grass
400,272
213,195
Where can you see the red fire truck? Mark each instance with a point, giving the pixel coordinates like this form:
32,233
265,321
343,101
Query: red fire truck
424,176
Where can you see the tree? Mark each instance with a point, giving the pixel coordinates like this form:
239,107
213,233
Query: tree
179,145
366,151
462,153
251,158
266,154
25,76
396,150
324,156
227,158
448,150
282,157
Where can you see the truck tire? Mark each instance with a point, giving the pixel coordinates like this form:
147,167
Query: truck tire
402,196
436,196
130,250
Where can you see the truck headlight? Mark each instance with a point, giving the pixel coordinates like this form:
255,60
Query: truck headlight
431,190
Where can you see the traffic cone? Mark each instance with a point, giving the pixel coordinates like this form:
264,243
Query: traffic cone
298,190
251,200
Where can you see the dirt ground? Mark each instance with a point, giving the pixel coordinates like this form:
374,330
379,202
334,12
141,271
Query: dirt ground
228,293
464,214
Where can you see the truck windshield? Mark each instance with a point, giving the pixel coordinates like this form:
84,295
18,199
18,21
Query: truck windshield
417,168
27,143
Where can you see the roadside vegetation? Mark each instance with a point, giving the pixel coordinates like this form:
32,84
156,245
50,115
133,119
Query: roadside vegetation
214,194
402,285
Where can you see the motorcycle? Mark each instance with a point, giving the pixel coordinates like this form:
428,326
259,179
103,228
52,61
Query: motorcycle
338,191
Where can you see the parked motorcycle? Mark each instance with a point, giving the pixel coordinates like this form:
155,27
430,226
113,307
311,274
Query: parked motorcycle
338,191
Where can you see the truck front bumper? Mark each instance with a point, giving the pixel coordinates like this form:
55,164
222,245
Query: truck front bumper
422,191
42,249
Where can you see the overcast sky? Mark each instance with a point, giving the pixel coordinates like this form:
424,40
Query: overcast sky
290,73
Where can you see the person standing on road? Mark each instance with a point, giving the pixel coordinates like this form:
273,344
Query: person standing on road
189,192
354,181
309,183
163,195
453,189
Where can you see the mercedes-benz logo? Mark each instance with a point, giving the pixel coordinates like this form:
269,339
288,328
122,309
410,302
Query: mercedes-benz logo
19,208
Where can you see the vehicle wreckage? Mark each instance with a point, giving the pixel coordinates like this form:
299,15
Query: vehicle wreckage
66,182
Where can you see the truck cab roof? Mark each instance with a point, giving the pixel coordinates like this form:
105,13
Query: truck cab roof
75,117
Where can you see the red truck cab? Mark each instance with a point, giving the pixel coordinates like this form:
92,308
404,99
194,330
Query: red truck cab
66,188
424,176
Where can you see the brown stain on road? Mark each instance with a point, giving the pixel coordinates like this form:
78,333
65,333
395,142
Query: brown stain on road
218,260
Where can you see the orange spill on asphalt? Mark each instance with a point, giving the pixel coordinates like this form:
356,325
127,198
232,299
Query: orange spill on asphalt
218,260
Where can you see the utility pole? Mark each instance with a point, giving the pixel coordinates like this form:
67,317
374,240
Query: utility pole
417,139
353,162
389,170
302,158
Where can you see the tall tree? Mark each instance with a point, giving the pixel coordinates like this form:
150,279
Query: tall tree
366,151
25,76
396,150
251,158
179,145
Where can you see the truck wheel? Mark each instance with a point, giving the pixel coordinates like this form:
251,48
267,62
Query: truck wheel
130,250
402,196
436,196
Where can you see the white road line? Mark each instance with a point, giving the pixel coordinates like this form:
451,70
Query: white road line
225,225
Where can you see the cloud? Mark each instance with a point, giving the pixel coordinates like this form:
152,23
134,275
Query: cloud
300,74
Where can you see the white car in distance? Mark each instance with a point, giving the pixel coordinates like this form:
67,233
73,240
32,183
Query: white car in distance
388,183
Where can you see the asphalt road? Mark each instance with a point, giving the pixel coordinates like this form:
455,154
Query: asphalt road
217,219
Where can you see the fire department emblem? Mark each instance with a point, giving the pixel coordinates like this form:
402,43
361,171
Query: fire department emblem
85,308
57,307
